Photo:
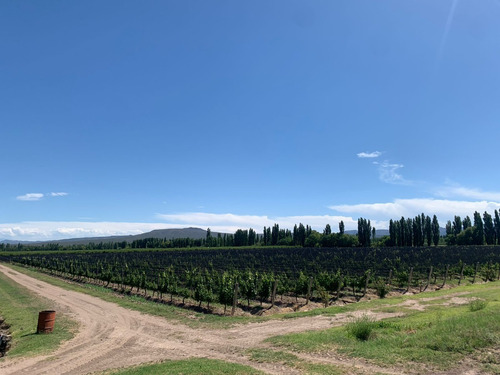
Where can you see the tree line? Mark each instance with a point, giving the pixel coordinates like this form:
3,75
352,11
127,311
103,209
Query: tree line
422,230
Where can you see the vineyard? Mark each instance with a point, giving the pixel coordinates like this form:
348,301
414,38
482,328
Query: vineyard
255,276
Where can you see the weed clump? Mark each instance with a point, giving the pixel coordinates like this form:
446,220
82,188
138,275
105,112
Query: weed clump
477,304
361,328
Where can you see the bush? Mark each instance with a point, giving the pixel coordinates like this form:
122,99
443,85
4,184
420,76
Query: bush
361,328
382,288
477,304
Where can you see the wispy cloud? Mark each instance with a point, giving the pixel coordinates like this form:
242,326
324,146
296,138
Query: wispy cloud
455,190
374,154
444,39
38,196
60,194
30,197
388,173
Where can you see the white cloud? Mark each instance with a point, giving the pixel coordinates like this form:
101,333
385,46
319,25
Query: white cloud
388,173
374,154
30,197
443,209
231,222
38,196
60,194
52,230
454,190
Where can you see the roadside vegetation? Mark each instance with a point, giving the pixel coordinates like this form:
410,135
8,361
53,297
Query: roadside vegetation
19,307
437,330
195,366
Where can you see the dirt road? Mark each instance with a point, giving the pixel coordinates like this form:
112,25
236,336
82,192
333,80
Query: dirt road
110,336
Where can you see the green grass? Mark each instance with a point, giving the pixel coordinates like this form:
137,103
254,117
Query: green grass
194,366
272,356
20,309
262,355
440,335
189,317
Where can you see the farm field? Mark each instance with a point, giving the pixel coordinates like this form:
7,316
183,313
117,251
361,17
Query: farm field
249,281
425,333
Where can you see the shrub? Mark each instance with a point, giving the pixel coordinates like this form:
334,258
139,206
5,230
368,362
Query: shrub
361,328
477,304
382,288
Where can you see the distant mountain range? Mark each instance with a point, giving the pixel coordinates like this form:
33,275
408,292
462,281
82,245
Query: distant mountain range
194,233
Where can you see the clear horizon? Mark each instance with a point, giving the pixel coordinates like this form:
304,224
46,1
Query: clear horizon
123,117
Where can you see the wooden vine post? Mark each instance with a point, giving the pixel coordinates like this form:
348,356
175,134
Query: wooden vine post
445,275
273,296
410,277
309,287
339,286
366,282
475,273
235,297
461,274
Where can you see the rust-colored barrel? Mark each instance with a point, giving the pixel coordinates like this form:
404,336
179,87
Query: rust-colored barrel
46,320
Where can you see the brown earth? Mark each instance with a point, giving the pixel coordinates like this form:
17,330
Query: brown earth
110,336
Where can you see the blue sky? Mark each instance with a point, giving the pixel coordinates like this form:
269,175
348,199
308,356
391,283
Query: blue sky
122,116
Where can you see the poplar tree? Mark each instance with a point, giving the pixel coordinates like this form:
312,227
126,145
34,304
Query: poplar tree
435,230
489,229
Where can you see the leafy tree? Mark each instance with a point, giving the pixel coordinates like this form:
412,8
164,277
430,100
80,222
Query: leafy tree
478,229
251,237
435,230
489,229
341,227
497,226
241,238
457,225
364,232
428,230
328,230
313,240
466,223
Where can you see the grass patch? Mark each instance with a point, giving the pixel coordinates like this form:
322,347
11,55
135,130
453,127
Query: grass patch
194,366
272,356
261,355
440,335
361,328
20,309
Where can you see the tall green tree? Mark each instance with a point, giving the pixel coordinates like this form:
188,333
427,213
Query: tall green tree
489,229
478,232
466,223
497,226
457,225
428,230
435,230
251,237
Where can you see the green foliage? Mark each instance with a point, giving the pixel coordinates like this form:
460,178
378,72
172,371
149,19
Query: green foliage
477,304
361,328
20,310
382,288
193,366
